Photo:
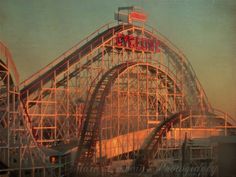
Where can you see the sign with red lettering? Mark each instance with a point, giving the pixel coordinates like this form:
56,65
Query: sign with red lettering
137,16
137,43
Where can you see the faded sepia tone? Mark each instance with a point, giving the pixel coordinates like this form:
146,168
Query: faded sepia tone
136,96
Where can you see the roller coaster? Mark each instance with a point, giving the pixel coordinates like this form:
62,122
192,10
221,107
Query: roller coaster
123,101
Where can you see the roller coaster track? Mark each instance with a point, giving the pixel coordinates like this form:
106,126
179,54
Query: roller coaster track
94,111
89,134
188,70
7,63
152,142
182,84
7,69
161,129
70,57
90,131
48,73
19,138
81,50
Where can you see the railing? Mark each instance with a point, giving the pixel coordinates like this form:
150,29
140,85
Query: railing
64,55
226,116
98,31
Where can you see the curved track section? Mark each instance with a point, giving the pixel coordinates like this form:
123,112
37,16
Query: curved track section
42,94
154,139
7,63
90,131
18,149
91,134
65,102
182,119
72,56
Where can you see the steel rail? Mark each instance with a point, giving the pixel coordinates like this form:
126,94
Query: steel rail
90,131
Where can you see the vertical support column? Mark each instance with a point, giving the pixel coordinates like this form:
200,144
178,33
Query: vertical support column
182,80
175,95
138,102
20,154
128,109
147,95
41,114
166,96
111,120
118,109
8,115
55,106
157,94
191,124
68,100
180,133
225,124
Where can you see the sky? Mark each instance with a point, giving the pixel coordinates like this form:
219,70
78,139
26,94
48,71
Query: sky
36,32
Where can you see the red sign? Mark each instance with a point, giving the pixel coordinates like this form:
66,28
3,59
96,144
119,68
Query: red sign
137,16
137,43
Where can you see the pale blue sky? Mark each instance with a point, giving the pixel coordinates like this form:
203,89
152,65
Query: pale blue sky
205,30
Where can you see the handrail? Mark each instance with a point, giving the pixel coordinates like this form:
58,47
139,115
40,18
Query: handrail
63,64
220,112
163,38
65,54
